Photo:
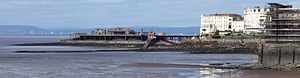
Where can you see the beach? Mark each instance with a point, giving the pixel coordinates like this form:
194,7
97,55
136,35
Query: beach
107,64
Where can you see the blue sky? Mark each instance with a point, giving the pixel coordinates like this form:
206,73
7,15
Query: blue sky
105,13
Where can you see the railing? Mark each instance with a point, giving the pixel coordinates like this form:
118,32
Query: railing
281,29
285,35
287,18
136,35
290,40
112,35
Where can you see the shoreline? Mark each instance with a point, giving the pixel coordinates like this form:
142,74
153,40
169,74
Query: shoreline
164,65
192,47
214,48
125,50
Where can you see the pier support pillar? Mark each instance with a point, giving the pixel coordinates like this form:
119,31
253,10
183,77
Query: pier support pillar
286,55
297,55
279,54
270,56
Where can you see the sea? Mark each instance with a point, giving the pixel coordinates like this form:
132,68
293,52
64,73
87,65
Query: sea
106,64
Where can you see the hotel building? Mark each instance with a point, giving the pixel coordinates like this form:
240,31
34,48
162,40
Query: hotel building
221,22
255,19
284,26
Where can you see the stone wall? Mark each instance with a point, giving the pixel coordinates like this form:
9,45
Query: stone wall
279,54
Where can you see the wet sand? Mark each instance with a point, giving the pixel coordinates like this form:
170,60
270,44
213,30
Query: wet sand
236,73
162,65
167,64
261,74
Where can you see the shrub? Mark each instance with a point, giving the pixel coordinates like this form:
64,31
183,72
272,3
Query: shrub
228,34
215,36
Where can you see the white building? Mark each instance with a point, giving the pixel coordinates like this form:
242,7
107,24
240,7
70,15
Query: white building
221,22
238,26
255,19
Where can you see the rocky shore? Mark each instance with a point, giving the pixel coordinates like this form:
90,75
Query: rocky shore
195,46
212,47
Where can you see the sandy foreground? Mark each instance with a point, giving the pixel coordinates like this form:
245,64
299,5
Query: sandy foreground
260,74
230,74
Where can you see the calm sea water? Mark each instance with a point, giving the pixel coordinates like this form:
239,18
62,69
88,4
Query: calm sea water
103,64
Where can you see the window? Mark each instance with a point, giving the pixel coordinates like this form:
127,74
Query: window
261,20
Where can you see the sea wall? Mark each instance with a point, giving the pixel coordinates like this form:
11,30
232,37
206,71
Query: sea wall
216,46
193,46
279,54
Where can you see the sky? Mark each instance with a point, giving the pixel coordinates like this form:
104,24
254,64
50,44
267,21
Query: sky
119,13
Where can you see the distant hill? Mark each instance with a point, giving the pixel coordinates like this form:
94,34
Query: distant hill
33,30
19,29
27,30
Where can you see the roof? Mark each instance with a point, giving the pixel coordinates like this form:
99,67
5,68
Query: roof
291,9
277,5
231,15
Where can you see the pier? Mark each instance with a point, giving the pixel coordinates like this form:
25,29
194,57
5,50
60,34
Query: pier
125,34
179,38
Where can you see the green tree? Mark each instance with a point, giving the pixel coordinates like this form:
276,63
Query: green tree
216,34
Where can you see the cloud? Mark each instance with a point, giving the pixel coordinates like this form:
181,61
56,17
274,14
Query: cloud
118,12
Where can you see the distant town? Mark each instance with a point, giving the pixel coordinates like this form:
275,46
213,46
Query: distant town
277,22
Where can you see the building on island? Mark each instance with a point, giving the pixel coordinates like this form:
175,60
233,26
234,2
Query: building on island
222,23
122,36
111,34
114,31
284,25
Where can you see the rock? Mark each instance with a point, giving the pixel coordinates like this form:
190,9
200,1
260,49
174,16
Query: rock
216,64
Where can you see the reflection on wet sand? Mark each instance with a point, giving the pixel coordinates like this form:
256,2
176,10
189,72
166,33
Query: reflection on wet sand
261,74
161,65
204,71
108,64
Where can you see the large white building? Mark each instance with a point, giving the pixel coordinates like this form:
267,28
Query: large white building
221,22
238,26
255,19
